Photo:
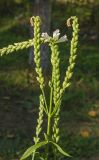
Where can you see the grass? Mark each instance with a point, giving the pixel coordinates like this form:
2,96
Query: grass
19,100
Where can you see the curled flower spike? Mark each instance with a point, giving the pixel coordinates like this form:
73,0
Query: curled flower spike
56,38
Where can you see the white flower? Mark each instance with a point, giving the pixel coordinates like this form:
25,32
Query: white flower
56,35
46,37
63,39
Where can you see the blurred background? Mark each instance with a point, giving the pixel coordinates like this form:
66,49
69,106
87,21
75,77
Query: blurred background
19,90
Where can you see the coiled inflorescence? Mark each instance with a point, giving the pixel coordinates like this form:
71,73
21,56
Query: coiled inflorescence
69,73
16,47
55,72
37,43
39,120
39,123
55,135
73,51
55,60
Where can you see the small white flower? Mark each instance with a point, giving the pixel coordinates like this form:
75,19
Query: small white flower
45,36
63,39
56,35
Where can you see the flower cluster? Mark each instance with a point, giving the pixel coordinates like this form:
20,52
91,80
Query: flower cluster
55,37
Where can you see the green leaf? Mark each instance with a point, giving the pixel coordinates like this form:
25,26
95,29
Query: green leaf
33,148
60,149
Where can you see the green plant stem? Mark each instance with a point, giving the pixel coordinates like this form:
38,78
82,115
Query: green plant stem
33,156
49,122
49,113
46,107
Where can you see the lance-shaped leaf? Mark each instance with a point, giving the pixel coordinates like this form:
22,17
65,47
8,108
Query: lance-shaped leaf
33,148
60,149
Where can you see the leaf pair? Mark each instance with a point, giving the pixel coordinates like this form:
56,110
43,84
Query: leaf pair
33,148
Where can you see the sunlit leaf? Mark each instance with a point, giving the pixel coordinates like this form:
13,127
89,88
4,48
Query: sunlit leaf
33,148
